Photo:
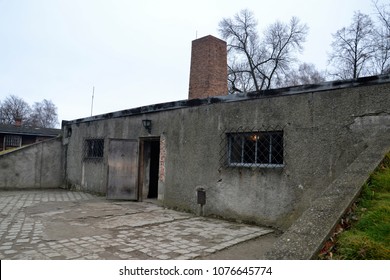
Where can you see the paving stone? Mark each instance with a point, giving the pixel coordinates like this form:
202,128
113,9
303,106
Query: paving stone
10,237
192,255
53,255
127,250
210,250
182,251
7,252
23,240
163,257
145,250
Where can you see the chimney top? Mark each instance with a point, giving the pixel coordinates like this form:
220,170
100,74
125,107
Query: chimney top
18,121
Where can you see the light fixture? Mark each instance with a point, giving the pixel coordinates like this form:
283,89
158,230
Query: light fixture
147,125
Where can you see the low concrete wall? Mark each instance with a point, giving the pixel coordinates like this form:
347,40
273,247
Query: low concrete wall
35,166
305,238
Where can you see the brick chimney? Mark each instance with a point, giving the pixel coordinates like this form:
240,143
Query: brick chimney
18,121
208,73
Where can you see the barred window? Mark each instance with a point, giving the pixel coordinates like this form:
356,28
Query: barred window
93,148
261,149
13,141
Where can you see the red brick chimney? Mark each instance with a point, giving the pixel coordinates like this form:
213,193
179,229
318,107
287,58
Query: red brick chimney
208,73
18,121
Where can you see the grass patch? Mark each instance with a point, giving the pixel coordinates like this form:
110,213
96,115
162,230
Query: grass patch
367,235
356,245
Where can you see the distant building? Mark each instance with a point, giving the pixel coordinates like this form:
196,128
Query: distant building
16,135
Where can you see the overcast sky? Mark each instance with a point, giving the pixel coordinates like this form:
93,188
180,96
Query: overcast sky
134,53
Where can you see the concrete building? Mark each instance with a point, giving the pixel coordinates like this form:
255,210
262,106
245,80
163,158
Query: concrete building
261,157
223,145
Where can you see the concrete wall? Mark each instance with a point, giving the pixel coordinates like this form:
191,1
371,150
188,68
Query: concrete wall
38,165
324,131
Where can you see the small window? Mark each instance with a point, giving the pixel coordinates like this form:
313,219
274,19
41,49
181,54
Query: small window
93,148
258,149
13,141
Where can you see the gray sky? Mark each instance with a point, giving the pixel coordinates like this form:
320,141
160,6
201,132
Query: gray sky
134,53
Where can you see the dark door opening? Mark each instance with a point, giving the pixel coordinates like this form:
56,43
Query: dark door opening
149,168
154,168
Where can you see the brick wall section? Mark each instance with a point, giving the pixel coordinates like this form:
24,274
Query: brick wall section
208,73
163,155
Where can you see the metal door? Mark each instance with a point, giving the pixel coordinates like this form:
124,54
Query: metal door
122,169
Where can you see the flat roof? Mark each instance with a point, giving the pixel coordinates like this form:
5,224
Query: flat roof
271,93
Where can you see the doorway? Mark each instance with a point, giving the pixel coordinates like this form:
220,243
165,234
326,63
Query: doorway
149,168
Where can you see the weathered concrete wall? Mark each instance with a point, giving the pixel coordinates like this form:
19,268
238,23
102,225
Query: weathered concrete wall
324,132
92,175
38,165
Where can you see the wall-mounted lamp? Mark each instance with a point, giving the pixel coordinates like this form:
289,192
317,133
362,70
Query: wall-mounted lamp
147,125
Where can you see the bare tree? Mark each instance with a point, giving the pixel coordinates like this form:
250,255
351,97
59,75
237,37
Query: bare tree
382,47
383,12
257,63
353,48
304,75
44,114
13,108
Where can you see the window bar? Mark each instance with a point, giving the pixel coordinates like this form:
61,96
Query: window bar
230,151
242,148
270,148
256,138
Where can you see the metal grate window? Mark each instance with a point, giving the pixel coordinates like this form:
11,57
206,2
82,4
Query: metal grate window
93,149
12,141
253,149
